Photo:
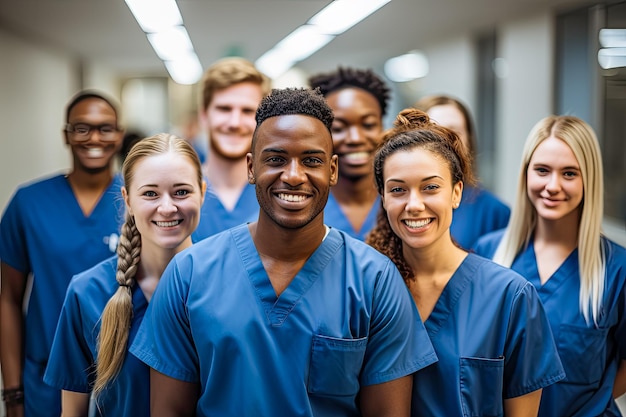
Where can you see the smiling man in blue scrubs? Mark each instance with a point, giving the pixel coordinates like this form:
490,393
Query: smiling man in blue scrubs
284,316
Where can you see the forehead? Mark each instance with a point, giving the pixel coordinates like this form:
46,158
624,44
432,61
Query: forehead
163,169
349,97
554,152
241,94
91,107
447,115
294,130
417,163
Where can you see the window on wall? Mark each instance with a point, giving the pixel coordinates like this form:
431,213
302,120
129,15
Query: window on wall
595,95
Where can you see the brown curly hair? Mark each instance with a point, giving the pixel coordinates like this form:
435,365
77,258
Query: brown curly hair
413,129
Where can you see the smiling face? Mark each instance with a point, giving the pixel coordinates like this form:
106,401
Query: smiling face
293,166
230,121
165,198
554,181
419,197
93,154
356,130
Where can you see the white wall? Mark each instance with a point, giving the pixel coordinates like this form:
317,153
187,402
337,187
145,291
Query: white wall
523,94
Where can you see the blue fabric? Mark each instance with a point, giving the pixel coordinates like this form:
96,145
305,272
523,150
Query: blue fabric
479,213
493,342
590,354
44,232
345,321
72,358
335,217
215,218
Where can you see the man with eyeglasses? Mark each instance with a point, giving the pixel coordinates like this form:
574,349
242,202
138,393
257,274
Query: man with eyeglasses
52,229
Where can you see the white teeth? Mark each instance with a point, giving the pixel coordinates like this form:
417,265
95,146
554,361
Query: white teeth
168,224
95,152
416,224
291,197
356,156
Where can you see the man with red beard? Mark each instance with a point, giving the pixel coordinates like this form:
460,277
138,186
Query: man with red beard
232,89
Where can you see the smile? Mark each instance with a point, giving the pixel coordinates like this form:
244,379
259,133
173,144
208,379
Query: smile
95,152
292,198
168,224
417,224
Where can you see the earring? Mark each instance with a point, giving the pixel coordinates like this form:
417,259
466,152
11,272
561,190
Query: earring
252,180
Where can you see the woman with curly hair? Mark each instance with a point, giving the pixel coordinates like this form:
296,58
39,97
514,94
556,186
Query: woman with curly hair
486,322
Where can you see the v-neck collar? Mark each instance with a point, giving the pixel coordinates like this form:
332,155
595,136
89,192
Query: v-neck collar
277,309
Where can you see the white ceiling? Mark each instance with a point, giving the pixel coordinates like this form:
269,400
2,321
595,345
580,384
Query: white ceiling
104,31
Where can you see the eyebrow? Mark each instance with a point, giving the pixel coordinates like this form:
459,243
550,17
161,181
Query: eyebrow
282,151
432,177
570,168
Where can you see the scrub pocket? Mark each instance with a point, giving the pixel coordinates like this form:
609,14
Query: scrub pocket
583,353
481,386
335,366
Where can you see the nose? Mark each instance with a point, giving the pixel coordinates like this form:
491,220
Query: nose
234,119
293,174
354,134
415,202
167,206
554,183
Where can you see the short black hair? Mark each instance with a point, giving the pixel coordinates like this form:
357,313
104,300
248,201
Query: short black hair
281,102
364,79
87,94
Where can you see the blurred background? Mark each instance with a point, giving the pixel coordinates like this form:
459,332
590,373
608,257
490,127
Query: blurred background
512,61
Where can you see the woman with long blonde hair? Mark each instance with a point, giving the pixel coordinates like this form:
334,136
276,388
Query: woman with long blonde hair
163,191
554,239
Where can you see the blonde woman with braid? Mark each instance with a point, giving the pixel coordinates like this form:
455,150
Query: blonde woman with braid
104,305
554,239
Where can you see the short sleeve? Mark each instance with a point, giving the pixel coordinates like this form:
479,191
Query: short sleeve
531,358
13,249
164,340
398,343
70,366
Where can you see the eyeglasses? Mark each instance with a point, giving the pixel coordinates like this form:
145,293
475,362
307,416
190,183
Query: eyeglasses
82,131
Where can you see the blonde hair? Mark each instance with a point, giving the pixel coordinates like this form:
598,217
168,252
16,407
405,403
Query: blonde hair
117,315
582,140
230,71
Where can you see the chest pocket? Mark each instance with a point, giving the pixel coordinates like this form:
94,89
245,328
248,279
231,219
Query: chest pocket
481,383
583,353
335,366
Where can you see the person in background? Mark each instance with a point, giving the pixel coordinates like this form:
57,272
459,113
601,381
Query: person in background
163,191
130,138
489,330
52,229
284,316
231,90
554,239
358,99
479,212
189,129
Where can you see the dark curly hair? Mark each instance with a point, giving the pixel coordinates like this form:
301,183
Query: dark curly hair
281,102
413,129
351,77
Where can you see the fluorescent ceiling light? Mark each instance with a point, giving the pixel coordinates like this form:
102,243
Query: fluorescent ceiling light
613,38
407,67
155,15
185,70
171,43
302,42
612,58
341,15
273,63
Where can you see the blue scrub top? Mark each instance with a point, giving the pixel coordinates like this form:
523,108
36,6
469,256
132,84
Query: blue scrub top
493,342
479,213
44,233
74,351
215,218
590,354
335,217
345,321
